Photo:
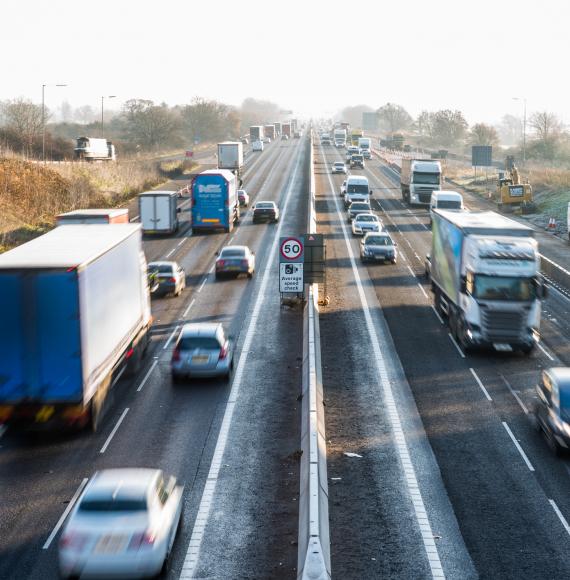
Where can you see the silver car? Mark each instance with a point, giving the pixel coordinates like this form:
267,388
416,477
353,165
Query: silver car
170,277
123,525
378,247
202,350
236,260
366,222
358,207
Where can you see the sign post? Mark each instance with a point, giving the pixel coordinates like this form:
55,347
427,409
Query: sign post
291,255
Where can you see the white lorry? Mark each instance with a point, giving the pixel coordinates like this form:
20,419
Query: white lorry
158,212
230,155
339,136
365,145
91,149
418,179
485,276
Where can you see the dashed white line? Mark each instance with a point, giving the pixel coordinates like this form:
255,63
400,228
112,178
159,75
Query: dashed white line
134,219
545,351
514,394
170,337
481,385
411,271
181,242
203,283
519,448
188,308
422,289
115,429
212,268
119,375
170,253
456,345
143,382
65,514
560,516
437,314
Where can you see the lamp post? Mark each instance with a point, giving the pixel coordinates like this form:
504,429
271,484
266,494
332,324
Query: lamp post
44,119
102,111
523,99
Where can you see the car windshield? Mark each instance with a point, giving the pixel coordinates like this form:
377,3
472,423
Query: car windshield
367,218
233,253
357,188
339,164
378,241
448,204
357,157
102,505
160,268
426,178
360,206
195,342
264,205
503,288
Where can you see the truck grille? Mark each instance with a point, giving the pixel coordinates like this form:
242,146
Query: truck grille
425,197
503,325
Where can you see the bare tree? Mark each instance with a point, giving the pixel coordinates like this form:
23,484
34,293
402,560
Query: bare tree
24,118
86,115
147,124
449,127
482,134
424,125
394,117
548,129
510,130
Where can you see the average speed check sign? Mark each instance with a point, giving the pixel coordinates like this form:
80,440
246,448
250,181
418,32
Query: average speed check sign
290,250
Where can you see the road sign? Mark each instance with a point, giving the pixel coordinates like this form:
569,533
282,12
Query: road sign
314,258
291,277
290,250
481,156
189,153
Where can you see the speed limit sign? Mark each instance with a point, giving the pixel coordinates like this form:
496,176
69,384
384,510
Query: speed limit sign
291,250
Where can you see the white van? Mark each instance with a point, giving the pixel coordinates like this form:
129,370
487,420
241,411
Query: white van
449,200
257,146
357,189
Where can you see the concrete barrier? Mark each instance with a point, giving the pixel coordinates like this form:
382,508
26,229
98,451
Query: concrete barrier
314,562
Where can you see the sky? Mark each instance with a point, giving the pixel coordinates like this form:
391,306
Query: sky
313,57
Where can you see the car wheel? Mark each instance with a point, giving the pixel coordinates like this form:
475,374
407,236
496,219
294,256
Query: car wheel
552,443
177,379
217,276
250,275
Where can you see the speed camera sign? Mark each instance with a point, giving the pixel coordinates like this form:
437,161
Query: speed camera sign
291,249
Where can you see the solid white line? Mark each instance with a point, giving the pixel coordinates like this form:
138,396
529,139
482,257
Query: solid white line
170,253
514,394
411,271
545,351
170,338
520,449
134,219
481,384
188,308
437,314
193,552
104,448
456,345
560,516
202,285
393,414
143,382
65,514
422,289
181,242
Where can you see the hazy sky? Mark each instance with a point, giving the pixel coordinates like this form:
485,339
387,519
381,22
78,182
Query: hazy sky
313,57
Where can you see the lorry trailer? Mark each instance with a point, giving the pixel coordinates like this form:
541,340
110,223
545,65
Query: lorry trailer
158,211
256,133
215,203
93,216
230,155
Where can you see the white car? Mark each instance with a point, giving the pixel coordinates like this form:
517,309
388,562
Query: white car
339,167
366,222
123,525
257,146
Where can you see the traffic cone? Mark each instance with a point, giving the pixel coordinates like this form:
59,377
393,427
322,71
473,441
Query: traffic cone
551,224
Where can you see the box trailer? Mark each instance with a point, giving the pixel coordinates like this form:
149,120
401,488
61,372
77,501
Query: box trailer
286,129
93,149
269,131
215,203
230,155
93,216
158,212
76,315
256,133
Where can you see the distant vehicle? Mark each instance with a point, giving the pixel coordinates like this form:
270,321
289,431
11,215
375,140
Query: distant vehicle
267,140
343,188
270,131
277,129
124,523
552,408
366,222
351,150
243,197
378,247
284,137
245,141
170,277
256,133
357,189
355,135
235,260
339,136
450,200
365,146
202,351
357,207
357,160
265,211
339,167
93,216
257,146
326,139
230,155
215,201
92,149
419,178
286,130
89,324
158,211
297,135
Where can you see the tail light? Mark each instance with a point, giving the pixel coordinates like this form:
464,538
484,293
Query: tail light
221,263
224,351
72,541
142,540
176,355
172,280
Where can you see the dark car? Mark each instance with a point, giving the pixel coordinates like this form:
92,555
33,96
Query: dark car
552,408
235,260
357,161
166,278
265,211
357,207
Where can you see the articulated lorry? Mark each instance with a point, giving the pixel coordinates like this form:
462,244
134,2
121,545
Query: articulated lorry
485,276
256,133
230,155
339,137
91,149
215,203
75,308
365,145
419,178
269,131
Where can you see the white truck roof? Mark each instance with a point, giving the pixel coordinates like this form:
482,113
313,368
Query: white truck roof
425,166
446,194
69,247
225,172
95,212
357,179
485,223
158,192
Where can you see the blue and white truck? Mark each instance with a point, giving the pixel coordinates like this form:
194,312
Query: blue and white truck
75,308
485,276
215,203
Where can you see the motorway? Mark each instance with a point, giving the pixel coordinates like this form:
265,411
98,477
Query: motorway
496,499
234,446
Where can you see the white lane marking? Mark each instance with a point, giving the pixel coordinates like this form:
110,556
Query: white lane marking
65,513
171,337
143,382
411,271
2,430
481,385
437,314
121,419
456,345
231,239
517,445
422,289
514,394
545,351
193,552
170,253
392,409
202,285
560,516
560,291
134,219
188,308
181,242
119,375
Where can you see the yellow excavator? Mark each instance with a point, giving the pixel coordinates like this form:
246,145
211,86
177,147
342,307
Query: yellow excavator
512,193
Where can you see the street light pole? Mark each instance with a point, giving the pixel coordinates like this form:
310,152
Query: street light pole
102,112
44,119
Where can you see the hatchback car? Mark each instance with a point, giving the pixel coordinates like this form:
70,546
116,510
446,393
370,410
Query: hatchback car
235,260
265,211
284,137
357,161
356,208
169,276
378,247
123,525
552,408
243,197
202,350
339,167
366,222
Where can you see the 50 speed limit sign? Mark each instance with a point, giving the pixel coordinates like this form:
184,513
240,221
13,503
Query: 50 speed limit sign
291,250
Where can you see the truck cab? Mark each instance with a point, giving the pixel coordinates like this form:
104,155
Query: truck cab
419,178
